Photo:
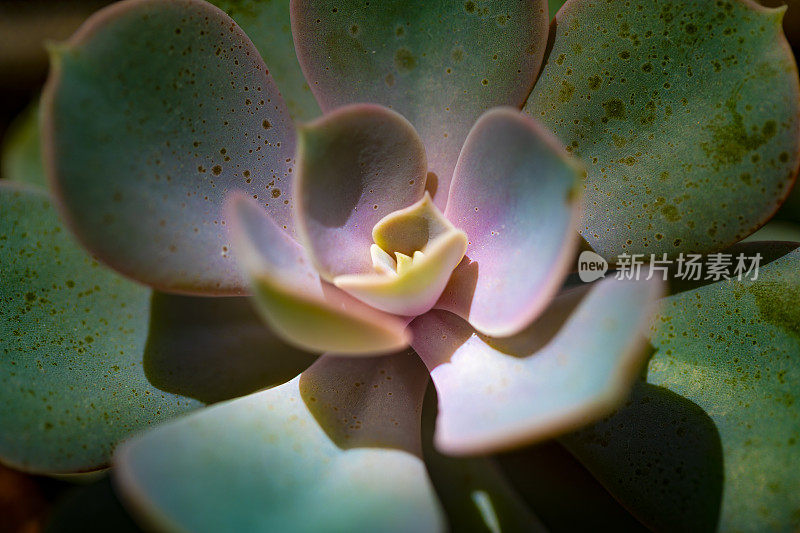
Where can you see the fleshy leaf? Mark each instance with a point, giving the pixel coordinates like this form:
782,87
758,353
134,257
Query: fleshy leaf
427,247
514,194
439,63
418,283
289,294
354,166
214,349
685,112
153,111
411,229
336,449
561,372
733,348
21,156
268,25
553,6
72,335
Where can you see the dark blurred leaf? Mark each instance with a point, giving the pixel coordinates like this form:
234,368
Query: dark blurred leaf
473,490
562,493
89,509
21,154
661,455
22,501
214,349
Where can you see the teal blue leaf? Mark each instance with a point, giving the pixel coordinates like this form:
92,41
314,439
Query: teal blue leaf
727,367
337,449
733,348
661,455
72,335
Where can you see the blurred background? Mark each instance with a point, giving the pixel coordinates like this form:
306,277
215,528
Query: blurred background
86,503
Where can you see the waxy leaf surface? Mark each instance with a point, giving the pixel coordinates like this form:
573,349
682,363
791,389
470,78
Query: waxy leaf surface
685,114
438,63
336,449
153,111
72,337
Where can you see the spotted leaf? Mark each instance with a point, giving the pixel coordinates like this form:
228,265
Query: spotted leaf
153,111
727,356
72,336
267,24
685,113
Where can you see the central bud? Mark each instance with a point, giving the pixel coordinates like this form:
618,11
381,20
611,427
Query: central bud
415,251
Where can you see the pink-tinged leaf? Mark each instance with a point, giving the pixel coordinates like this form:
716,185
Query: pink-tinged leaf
571,366
153,111
440,63
514,193
354,166
289,294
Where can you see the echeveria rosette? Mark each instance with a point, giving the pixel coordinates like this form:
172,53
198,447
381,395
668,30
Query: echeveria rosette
175,143
536,197
349,189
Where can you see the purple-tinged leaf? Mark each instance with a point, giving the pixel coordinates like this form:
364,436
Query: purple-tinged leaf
154,110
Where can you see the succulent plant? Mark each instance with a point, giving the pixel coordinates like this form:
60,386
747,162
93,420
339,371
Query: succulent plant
406,209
